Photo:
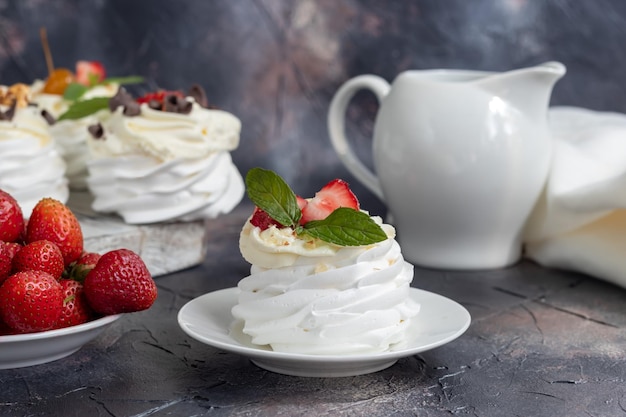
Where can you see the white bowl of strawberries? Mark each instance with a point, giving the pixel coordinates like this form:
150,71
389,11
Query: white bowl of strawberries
55,296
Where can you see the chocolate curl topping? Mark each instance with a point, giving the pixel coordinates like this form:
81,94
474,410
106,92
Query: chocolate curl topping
185,106
121,98
49,118
170,103
175,104
197,92
8,115
96,131
154,105
132,109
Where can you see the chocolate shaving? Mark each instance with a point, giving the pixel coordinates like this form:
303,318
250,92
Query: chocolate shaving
170,103
97,131
8,115
132,109
121,98
197,92
176,104
49,118
173,103
184,106
154,105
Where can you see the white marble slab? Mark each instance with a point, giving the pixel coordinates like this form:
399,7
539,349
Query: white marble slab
164,247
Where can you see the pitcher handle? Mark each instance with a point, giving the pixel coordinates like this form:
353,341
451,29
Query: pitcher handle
336,127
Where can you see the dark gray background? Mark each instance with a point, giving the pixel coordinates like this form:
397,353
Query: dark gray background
276,64
542,342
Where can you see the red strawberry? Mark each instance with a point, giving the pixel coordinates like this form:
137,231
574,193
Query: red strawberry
5,330
261,219
158,96
40,255
89,72
12,247
31,301
120,283
11,218
5,261
83,265
333,195
302,202
76,310
54,221
7,253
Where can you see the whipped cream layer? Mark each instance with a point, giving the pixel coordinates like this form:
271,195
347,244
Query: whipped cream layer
71,136
30,165
312,297
163,166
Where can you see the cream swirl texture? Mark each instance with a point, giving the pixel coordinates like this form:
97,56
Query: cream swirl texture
163,166
30,165
70,136
319,298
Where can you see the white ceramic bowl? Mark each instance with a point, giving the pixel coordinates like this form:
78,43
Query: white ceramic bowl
17,351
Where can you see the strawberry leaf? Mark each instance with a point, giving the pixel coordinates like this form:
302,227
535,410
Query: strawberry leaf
132,79
74,91
80,109
346,227
93,79
270,193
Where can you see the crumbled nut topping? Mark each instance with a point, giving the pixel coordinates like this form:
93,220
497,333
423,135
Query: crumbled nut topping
16,95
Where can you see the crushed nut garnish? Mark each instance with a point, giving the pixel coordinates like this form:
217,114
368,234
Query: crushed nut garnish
16,95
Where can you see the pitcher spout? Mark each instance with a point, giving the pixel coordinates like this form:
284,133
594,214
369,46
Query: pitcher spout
528,89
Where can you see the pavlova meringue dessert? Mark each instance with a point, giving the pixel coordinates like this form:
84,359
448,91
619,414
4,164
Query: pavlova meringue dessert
30,165
326,277
164,157
58,93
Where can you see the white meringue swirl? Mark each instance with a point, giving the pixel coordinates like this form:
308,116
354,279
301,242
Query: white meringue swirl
324,299
30,165
70,136
163,166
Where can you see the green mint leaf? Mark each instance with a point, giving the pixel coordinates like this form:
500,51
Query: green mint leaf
74,91
80,109
93,79
132,79
270,193
346,227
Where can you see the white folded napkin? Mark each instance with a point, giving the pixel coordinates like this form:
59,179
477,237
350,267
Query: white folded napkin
579,222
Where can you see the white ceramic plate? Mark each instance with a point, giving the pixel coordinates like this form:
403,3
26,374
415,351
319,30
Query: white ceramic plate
17,351
208,319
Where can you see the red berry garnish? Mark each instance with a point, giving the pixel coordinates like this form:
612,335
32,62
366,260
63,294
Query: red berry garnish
89,73
333,195
261,219
158,96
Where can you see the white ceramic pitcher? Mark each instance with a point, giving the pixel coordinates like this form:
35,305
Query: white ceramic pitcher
461,158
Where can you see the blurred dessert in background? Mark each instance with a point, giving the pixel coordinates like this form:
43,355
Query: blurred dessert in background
164,157
58,93
30,165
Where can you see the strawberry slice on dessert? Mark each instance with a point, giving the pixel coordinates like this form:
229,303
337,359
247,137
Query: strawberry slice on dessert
89,72
159,96
261,219
333,195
